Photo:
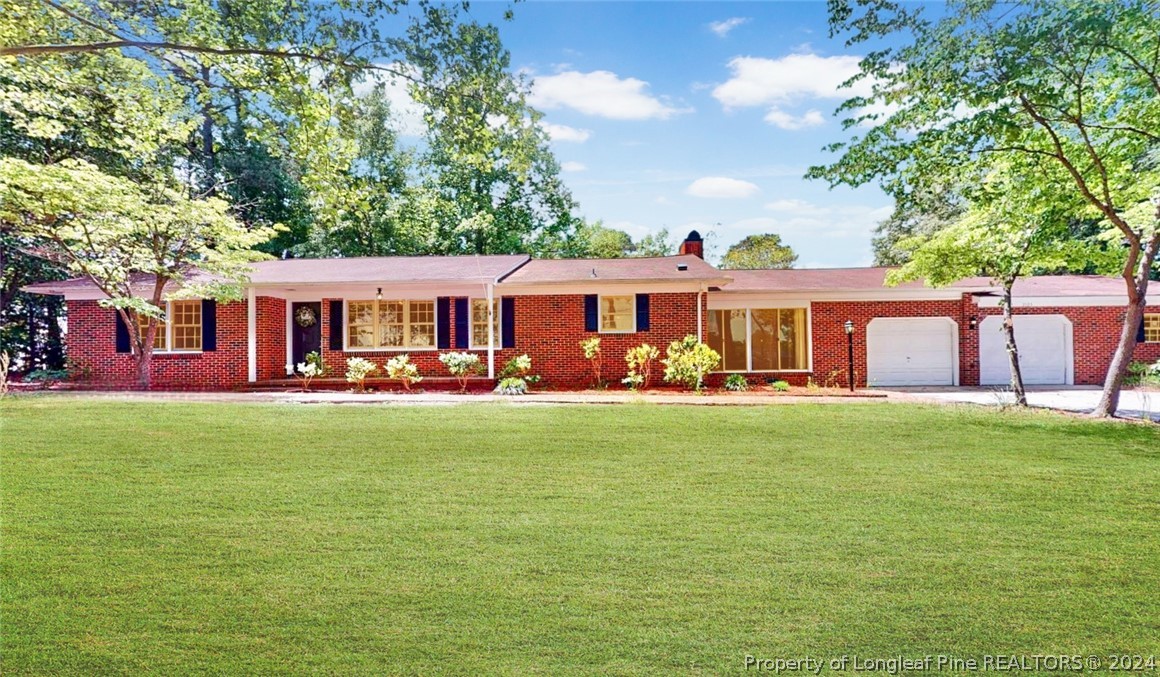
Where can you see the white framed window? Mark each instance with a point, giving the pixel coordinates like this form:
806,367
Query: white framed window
1152,328
179,331
479,322
760,339
390,324
617,314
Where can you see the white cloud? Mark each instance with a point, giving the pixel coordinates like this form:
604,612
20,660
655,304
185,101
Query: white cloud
566,134
721,187
407,114
600,93
826,221
783,83
722,28
780,118
573,166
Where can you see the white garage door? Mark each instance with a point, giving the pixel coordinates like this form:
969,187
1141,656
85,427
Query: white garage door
1044,343
911,351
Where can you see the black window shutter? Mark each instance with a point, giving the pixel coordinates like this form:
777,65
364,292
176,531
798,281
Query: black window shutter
122,333
462,320
591,314
642,312
1140,332
507,319
443,322
208,324
336,324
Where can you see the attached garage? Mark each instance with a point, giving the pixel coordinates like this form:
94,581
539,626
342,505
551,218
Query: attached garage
912,351
1045,350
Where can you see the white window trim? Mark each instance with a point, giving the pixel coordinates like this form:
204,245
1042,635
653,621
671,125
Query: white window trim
167,326
599,324
749,348
1145,321
497,308
347,348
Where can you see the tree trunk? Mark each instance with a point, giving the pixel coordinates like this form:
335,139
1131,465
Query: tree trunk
1012,349
1137,300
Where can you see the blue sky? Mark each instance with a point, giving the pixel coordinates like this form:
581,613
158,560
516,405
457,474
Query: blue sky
703,115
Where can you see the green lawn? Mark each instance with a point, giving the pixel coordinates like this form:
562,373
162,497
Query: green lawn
176,537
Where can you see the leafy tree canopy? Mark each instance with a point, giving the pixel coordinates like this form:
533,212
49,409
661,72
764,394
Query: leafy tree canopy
759,252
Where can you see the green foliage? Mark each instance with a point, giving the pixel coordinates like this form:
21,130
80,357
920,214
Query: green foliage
736,383
687,362
512,385
591,348
400,368
780,386
357,371
1144,374
315,358
46,375
759,252
640,363
462,366
520,367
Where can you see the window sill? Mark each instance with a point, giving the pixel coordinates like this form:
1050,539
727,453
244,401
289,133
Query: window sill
610,331
403,349
176,353
763,371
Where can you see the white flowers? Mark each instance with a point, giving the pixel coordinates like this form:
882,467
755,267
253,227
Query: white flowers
462,366
403,370
357,370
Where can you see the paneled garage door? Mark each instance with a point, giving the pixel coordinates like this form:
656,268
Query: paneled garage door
912,351
1045,352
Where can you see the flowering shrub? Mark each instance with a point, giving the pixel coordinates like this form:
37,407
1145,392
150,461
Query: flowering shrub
305,372
316,359
403,370
736,383
640,361
512,385
519,367
462,366
357,370
591,348
688,361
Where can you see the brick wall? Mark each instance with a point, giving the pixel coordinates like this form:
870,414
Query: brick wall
549,329
91,344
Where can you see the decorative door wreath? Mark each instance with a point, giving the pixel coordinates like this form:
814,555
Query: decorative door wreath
305,317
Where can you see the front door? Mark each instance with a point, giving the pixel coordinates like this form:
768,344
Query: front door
305,330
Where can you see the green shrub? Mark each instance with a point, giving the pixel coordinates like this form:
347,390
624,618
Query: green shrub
780,386
1143,374
591,348
640,362
736,383
46,375
512,385
519,367
688,361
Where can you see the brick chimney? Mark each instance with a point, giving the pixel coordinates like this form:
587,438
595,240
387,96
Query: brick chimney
694,245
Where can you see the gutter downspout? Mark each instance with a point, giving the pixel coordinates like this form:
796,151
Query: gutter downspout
491,330
252,333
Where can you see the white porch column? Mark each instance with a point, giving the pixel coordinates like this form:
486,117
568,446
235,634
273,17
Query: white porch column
490,331
252,333
700,337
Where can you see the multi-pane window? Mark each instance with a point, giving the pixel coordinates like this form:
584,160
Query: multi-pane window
1152,328
179,330
390,324
479,321
185,320
760,339
616,313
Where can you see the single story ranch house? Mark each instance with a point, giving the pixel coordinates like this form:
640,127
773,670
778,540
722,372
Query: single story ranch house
768,324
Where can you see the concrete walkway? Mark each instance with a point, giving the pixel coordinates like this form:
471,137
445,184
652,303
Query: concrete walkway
1082,399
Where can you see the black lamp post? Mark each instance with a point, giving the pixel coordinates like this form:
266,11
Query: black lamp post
850,352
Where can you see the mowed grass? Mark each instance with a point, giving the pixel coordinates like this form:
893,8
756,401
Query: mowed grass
227,538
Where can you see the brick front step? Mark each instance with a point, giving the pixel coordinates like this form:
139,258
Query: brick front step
441,383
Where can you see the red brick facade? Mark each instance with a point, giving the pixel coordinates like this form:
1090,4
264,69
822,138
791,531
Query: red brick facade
549,328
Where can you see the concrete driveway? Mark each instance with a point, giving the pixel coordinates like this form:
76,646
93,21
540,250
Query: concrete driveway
1133,403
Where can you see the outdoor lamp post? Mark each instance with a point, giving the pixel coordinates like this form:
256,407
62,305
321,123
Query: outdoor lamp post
850,352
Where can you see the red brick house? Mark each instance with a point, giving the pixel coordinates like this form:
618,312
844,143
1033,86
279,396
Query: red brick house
768,324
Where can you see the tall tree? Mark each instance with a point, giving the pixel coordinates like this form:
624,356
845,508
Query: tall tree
1072,82
138,244
1010,230
759,252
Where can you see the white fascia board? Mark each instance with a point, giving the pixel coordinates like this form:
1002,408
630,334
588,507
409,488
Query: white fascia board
834,296
610,287
367,291
1055,301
